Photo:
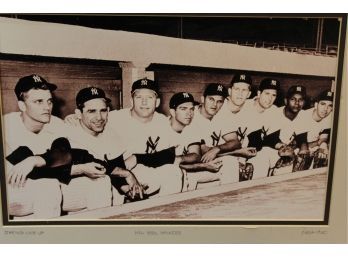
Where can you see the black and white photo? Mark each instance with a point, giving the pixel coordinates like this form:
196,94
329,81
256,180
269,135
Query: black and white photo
169,119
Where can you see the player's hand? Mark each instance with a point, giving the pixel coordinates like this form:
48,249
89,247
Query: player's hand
247,152
131,162
323,151
19,172
135,189
286,150
72,119
91,170
211,154
214,165
303,152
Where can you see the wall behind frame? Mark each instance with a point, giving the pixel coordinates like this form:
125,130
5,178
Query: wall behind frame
172,79
70,75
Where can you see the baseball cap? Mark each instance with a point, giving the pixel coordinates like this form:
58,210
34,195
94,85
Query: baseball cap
269,83
215,89
90,93
325,95
145,83
241,77
297,89
180,98
35,81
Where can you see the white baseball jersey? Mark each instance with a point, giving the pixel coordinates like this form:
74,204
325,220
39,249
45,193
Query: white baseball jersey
287,127
205,129
306,123
246,121
141,137
16,134
230,122
184,140
107,143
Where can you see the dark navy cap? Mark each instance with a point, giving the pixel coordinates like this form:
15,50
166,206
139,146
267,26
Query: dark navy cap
180,98
297,89
35,81
215,89
90,93
326,95
269,83
145,83
241,77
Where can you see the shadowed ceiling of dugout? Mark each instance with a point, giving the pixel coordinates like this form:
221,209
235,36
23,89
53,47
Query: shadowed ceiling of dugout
301,32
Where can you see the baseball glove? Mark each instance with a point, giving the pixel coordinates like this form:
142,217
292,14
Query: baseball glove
287,157
246,171
302,161
320,158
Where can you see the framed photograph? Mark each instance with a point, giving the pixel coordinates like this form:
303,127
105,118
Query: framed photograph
180,128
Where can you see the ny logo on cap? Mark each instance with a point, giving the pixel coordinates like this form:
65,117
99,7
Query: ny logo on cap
298,89
329,93
143,82
242,77
186,95
37,78
273,82
94,91
219,88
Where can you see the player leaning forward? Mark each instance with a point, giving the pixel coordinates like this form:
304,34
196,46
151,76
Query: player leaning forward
38,153
187,141
316,123
146,132
214,143
28,132
249,122
91,133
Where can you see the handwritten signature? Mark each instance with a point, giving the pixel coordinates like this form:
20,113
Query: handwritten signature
309,232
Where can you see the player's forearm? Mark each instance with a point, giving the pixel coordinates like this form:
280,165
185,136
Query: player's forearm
323,138
279,145
120,172
196,167
190,158
229,146
205,148
63,173
166,156
38,161
76,170
313,144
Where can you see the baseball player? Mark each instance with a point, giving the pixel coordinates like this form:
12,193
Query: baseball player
249,122
316,123
146,132
213,143
287,121
92,134
181,108
186,141
32,128
232,121
260,113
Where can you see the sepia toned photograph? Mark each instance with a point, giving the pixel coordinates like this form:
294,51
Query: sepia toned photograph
169,120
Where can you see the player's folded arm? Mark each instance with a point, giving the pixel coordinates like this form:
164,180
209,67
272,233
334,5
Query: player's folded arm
272,140
157,159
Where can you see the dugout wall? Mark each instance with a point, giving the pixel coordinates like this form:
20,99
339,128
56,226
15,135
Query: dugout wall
173,79
70,75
